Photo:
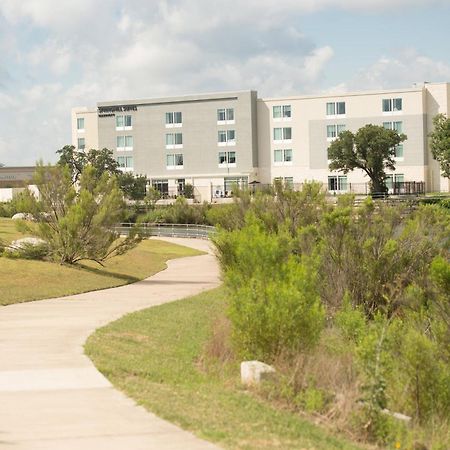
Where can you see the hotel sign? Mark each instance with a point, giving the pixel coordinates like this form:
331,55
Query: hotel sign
109,111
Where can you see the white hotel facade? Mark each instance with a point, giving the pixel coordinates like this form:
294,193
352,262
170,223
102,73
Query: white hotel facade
213,141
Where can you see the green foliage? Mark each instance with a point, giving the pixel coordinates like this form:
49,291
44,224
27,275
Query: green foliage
133,186
29,251
274,307
350,321
374,253
151,197
102,161
379,273
179,212
19,203
78,223
188,191
371,149
440,143
224,216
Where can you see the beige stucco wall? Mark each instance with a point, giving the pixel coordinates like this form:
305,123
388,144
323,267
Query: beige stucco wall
90,127
309,133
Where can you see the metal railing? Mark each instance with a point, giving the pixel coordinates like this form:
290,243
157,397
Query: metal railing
173,192
168,230
394,188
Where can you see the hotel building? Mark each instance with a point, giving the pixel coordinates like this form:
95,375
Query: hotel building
213,141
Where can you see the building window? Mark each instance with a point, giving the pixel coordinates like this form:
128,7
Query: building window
174,161
123,123
399,151
282,134
80,123
335,108
162,186
333,131
174,119
225,116
282,156
288,182
394,181
226,137
174,140
125,162
281,112
227,159
397,126
81,144
124,143
337,183
392,104
232,182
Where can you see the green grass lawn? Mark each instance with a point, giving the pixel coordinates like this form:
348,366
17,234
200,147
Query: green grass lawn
25,280
153,356
8,230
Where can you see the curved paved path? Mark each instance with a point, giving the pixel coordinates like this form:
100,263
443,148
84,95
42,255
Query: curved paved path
51,395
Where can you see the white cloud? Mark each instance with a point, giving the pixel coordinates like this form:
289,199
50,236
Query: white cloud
54,13
53,55
401,70
96,50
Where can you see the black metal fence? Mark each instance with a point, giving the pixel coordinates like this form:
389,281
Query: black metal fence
393,188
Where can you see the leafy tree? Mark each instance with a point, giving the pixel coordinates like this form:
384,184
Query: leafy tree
101,160
78,223
133,186
440,143
371,149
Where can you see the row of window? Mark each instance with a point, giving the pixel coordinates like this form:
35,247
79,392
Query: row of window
173,119
176,160
173,140
337,108
226,115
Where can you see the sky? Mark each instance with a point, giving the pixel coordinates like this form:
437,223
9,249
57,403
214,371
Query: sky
58,54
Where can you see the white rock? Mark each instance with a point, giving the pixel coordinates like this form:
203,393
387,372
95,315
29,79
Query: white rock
253,372
396,415
22,216
20,243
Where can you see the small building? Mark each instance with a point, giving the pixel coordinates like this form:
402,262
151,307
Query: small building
16,177
14,180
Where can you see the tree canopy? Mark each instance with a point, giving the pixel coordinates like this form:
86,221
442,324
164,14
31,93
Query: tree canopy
440,143
101,161
77,222
371,149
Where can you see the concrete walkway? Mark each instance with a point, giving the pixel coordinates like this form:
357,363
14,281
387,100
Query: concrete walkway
51,395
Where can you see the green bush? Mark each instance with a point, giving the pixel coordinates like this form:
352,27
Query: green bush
274,306
379,274
179,212
29,251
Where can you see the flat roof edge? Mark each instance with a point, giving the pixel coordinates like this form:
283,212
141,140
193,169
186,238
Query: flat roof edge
179,98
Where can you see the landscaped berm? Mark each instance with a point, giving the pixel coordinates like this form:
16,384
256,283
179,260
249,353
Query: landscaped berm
23,280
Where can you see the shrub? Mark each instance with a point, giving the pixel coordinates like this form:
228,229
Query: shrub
274,307
29,251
